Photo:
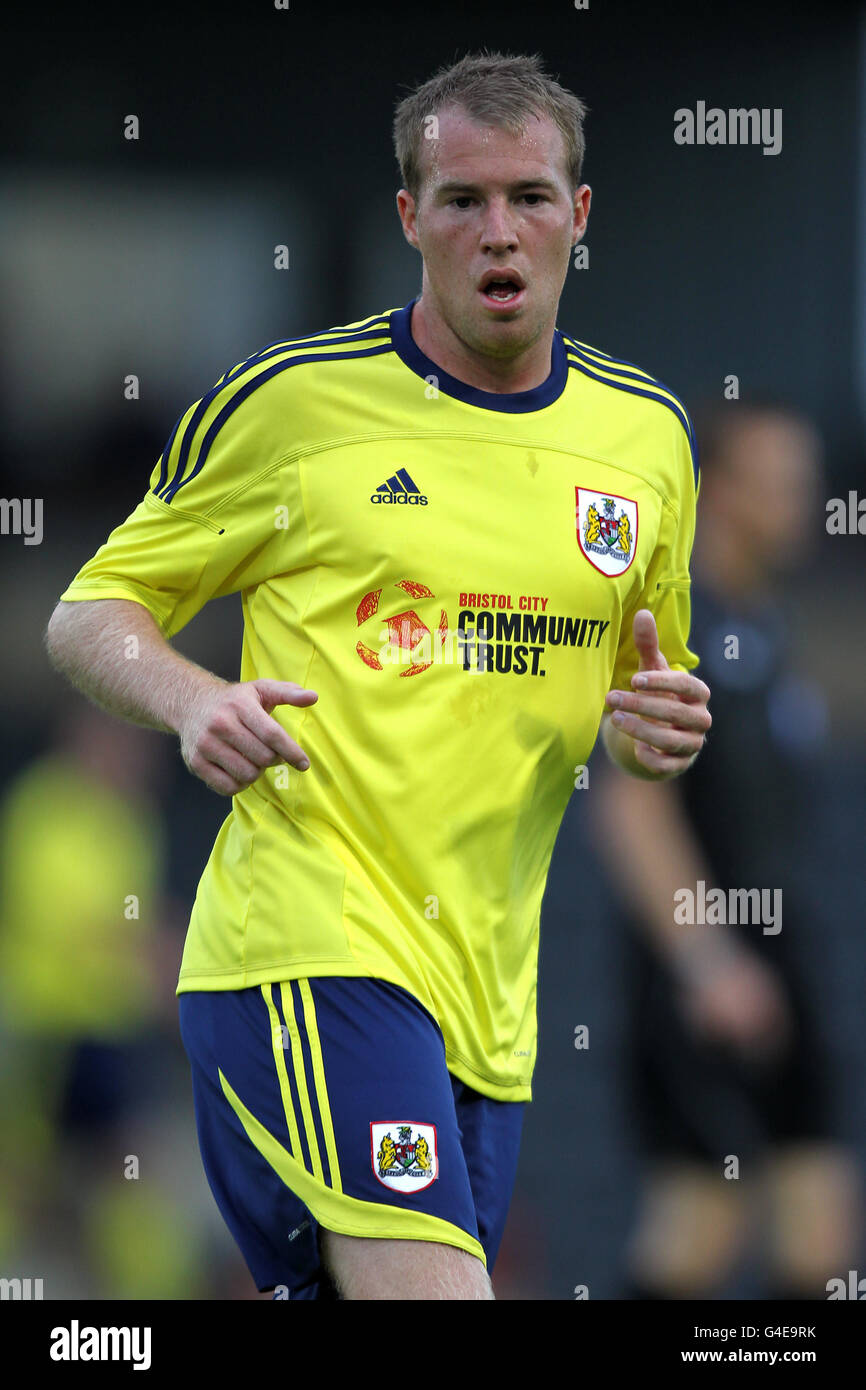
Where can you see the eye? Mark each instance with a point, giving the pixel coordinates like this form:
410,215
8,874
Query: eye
462,198
538,196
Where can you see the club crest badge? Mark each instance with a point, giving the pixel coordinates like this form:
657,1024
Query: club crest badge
606,529
404,1155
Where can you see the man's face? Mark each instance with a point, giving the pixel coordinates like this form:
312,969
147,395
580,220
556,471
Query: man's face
495,204
766,488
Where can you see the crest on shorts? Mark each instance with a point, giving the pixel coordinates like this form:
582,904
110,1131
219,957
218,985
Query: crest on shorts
606,529
404,1155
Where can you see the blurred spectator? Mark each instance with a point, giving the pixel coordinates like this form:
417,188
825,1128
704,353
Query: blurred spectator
727,1050
85,976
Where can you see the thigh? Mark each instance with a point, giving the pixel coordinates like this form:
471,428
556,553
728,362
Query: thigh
364,1269
326,1103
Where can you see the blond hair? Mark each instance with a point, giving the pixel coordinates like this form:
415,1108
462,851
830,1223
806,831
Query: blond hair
496,89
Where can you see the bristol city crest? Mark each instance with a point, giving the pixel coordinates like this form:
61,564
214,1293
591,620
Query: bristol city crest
404,1155
606,529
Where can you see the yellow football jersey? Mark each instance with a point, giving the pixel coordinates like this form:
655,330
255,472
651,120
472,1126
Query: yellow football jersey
454,572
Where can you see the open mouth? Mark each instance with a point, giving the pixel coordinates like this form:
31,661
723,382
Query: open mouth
504,290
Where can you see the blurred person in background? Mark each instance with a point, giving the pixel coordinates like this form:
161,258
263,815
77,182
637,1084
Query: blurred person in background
726,1046
84,961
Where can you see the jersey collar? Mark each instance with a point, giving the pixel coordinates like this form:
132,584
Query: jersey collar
514,402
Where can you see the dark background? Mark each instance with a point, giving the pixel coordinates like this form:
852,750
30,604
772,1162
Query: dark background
155,257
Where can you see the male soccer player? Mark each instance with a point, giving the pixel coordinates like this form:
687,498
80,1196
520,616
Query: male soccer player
453,527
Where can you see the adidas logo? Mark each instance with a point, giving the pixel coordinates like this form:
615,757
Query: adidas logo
399,488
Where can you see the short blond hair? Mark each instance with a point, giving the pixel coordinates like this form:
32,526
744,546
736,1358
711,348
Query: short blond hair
494,88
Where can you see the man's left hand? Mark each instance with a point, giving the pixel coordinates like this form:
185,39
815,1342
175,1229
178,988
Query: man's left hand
665,713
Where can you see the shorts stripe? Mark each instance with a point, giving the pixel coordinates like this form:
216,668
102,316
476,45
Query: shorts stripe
306,1062
282,1075
301,1078
290,1049
321,1087
348,1215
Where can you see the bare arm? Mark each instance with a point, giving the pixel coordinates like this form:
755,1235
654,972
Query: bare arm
642,833
113,651
145,681
650,850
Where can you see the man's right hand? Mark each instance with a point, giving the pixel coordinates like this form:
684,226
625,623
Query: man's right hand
743,1002
228,736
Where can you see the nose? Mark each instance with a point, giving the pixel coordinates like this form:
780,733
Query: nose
498,232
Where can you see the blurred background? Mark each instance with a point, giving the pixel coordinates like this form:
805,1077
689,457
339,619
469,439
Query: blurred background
153,258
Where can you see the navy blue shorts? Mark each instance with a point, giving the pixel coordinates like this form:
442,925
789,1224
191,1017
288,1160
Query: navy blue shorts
327,1102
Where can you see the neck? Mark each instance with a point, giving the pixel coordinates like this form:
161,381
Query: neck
503,375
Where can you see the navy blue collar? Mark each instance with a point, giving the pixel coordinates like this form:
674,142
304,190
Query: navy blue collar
513,402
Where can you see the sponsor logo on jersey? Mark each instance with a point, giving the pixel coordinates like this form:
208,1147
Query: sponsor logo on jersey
399,489
606,529
406,637
404,1154
515,639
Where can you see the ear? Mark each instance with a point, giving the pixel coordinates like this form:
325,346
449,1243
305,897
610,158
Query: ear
582,200
408,216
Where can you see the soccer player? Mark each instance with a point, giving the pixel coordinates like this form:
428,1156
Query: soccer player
454,527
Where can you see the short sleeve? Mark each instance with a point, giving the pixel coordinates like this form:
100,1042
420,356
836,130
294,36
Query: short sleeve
220,515
667,588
